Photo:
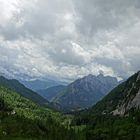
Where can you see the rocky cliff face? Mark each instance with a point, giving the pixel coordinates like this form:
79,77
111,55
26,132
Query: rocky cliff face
122,99
85,92
132,99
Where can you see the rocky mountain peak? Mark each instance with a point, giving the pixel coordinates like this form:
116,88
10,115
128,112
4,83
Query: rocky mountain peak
86,91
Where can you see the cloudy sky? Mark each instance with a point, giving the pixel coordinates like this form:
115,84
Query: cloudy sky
67,39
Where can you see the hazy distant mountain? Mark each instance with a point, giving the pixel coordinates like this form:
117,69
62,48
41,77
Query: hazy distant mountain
51,92
84,92
41,84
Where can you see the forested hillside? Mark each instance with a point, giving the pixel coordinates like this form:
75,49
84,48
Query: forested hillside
20,118
15,85
116,116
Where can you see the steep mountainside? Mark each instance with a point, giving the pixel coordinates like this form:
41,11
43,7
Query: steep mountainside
22,119
84,92
51,92
116,116
22,90
121,99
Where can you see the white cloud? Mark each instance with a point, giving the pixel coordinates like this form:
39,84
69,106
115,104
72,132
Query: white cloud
69,39
7,9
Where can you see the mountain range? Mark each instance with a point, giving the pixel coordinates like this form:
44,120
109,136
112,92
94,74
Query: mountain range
37,84
116,116
24,114
84,92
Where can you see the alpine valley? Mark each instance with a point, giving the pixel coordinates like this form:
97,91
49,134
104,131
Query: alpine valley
107,111
69,69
